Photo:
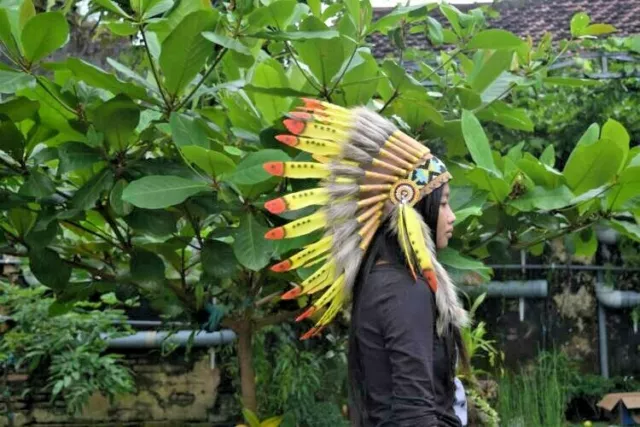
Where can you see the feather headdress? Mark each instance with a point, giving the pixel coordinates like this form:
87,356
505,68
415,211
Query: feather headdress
369,170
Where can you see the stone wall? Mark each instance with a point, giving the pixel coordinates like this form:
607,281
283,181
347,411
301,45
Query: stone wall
170,390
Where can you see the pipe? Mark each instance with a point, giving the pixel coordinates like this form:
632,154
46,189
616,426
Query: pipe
511,289
612,298
603,341
154,339
554,266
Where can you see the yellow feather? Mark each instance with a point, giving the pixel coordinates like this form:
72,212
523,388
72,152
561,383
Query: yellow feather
310,252
404,238
323,274
417,239
315,130
302,170
302,199
329,294
334,308
305,225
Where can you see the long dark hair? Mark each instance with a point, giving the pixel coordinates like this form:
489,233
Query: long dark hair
385,247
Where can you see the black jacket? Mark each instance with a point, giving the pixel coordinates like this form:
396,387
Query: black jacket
406,370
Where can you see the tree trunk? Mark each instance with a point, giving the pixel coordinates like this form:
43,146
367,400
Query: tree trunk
247,373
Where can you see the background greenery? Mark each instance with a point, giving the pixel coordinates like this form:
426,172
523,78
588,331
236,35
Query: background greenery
143,177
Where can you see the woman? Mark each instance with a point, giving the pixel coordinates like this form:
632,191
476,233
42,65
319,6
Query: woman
384,200
401,369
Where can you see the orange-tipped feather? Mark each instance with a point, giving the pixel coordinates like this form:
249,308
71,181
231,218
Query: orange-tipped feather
274,168
292,294
276,206
281,267
307,313
275,234
310,333
296,127
432,280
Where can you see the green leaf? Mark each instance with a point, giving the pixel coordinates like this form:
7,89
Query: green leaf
494,39
22,220
210,161
590,136
146,268
548,156
250,170
226,41
487,180
579,22
43,34
569,81
155,222
186,132
76,155
117,119
112,7
360,83
86,197
38,185
27,11
506,115
278,14
585,243
250,246
124,29
544,199
477,142
11,82
49,268
323,57
218,259
150,8
625,189
277,91
11,139
590,166
453,16
96,77
485,74
19,108
539,173
453,259
251,418
185,50
629,229
270,74
6,35
119,206
434,29
616,133
162,191
598,30
296,35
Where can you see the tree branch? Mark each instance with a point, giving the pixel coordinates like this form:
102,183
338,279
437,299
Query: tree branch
209,71
156,76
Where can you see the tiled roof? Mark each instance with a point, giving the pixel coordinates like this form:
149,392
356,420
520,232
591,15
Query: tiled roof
535,17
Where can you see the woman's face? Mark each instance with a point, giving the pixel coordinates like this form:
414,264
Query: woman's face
445,220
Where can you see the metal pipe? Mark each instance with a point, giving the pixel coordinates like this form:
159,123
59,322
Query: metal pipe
154,339
554,266
603,341
612,298
511,289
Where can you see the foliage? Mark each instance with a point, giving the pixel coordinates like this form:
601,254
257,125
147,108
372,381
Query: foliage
68,347
306,385
536,396
144,178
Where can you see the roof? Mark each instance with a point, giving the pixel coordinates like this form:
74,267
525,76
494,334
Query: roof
534,18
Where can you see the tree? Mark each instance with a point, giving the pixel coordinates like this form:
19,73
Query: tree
154,181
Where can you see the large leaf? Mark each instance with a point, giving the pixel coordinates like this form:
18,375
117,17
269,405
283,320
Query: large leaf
487,180
625,189
119,206
616,133
570,81
6,35
186,131
112,6
629,229
359,84
19,108
97,77
11,82
323,57
539,173
155,222
477,142
453,259
185,50
43,34
268,74
579,22
210,161
158,192
506,115
147,268
150,8
49,268
227,42
543,199
117,119
11,139
38,185
277,14
251,171
76,155
297,35
86,197
218,259
590,166
250,247
494,39
487,72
